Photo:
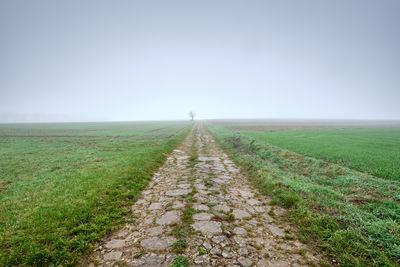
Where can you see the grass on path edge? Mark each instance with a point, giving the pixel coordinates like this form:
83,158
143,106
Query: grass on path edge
344,232
99,216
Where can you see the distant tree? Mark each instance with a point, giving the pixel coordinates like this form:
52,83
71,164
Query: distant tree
191,115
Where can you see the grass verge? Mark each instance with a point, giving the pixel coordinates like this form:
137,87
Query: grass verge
351,216
70,184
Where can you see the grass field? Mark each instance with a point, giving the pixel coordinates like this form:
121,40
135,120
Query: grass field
64,186
352,216
376,151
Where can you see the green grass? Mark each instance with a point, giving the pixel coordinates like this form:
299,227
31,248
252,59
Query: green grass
230,217
376,151
180,261
180,245
202,251
351,216
64,186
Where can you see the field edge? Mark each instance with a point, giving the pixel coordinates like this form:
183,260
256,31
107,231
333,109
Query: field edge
109,213
343,246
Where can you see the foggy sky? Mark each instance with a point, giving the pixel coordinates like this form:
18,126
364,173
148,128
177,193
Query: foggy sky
155,60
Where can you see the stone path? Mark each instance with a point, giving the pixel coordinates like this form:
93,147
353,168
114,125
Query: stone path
199,206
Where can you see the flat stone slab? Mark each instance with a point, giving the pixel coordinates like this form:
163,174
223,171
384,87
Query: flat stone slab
202,192
240,214
203,260
276,231
219,181
207,245
113,256
178,205
158,243
200,186
155,231
219,239
149,260
241,241
213,188
184,186
201,207
169,217
215,251
208,227
219,168
222,208
177,192
239,231
233,170
226,254
279,211
252,222
202,216
115,243
208,158
148,220
282,263
243,251
246,194
140,202
268,218
253,202
245,261
155,206
259,209
259,241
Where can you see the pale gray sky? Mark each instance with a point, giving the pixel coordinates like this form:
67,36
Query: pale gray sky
151,60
